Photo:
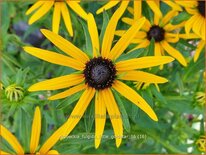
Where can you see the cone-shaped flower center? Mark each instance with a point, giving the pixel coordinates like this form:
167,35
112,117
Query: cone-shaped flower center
99,73
156,32
201,8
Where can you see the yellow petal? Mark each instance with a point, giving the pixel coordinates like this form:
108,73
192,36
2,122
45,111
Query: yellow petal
128,21
110,30
174,53
100,118
143,44
72,121
67,19
154,7
173,5
126,39
170,27
77,8
169,16
135,98
56,17
36,130
65,46
107,6
198,25
52,152
200,47
158,49
137,9
93,34
41,11
68,92
130,10
144,62
114,115
58,83
54,58
189,23
142,77
6,134
189,36
4,153
171,37
34,7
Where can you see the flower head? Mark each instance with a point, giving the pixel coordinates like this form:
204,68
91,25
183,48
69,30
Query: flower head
99,75
197,22
34,141
161,31
14,93
41,7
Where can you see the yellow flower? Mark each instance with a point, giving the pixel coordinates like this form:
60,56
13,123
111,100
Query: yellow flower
200,46
35,136
41,7
99,75
197,22
137,5
161,31
201,143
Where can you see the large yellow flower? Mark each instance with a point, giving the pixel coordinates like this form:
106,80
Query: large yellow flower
41,7
35,136
99,75
161,31
197,22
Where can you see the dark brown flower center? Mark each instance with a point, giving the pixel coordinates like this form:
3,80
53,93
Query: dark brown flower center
157,33
201,8
99,73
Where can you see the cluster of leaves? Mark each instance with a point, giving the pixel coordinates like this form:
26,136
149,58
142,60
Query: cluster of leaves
175,103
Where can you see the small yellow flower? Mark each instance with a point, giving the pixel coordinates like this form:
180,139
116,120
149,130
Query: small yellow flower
161,31
14,93
35,136
99,74
201,143
197,22
41,7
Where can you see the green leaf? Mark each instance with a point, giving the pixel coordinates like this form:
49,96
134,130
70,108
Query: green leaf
69,100
123,111
133,54
89,117
23,128
21,76
183,16
158,94
150,48
104,26
89,50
